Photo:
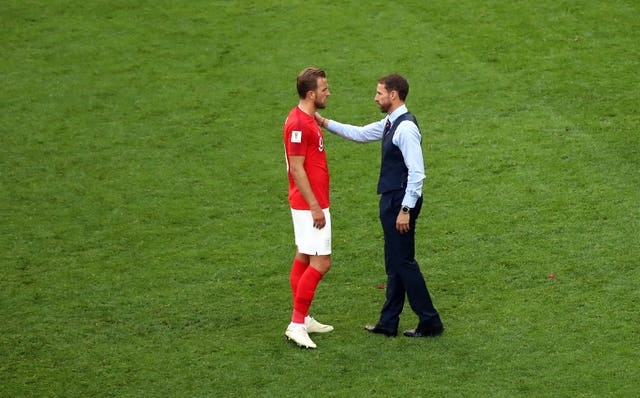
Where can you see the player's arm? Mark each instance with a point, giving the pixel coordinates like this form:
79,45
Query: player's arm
370,132
407,138
296,167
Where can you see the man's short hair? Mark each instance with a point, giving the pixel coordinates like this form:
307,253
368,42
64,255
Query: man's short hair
308,80
396,82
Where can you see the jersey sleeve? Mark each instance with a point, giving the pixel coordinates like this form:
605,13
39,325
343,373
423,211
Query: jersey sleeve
296,139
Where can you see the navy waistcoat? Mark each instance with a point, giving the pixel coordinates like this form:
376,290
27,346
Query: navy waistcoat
393,171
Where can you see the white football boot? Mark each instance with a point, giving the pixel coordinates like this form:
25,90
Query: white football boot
314,326
298,333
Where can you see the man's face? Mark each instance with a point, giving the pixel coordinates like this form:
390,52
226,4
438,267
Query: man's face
321,93
383,98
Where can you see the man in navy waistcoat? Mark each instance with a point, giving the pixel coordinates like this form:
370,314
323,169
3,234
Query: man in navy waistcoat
400,188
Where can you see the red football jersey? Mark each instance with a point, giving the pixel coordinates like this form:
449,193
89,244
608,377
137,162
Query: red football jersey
303,137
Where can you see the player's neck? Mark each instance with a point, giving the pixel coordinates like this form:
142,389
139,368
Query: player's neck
307,107
394,107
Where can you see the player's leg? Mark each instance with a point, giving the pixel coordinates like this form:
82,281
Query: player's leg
314,244
300,264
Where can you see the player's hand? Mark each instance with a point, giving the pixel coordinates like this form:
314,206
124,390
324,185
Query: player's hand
319,221
402,222
318,118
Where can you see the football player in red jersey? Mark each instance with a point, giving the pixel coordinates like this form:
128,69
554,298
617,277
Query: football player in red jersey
309,200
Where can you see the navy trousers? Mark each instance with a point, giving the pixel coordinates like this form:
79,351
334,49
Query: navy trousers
403,272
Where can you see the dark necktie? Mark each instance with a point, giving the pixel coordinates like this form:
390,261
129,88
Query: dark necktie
387,127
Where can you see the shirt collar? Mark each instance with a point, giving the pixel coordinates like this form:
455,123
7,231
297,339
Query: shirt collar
395,114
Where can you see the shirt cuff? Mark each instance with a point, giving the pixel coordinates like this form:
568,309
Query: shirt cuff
410,199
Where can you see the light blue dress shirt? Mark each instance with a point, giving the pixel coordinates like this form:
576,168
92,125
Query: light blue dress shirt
407,138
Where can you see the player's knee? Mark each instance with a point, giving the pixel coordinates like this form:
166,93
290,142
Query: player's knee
321,263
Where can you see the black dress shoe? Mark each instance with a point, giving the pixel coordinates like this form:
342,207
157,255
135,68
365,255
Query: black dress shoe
381,330
431,332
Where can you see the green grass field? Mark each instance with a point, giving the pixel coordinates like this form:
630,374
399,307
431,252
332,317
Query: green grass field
145,231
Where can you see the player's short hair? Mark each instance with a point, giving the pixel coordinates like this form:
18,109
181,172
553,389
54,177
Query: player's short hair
308,80
396,82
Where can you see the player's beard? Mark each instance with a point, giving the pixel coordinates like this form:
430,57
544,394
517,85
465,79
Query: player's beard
320,105
384,108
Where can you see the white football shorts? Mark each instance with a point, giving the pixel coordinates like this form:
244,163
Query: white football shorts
310,240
